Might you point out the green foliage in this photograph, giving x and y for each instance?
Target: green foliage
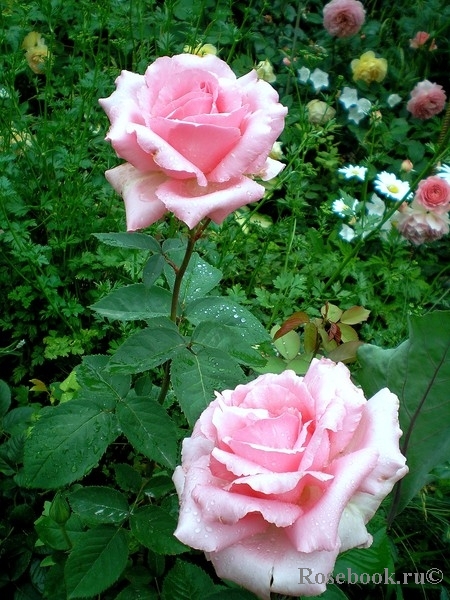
(418, 371)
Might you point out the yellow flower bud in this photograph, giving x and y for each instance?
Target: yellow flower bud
(265, 71)
(201, 49)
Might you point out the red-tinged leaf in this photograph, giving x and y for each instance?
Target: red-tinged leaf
(310, 341)
(292, 322)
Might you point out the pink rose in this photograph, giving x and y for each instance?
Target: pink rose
(193, 136)
(420, 39)
(284, 472)
(343, 18)
(420, 226)
(427, 99)
(433, 193)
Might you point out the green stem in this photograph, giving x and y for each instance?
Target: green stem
(195, 234)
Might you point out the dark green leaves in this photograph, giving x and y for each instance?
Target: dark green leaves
(149, 429)
(97, 560)
(418, 371)
(66, 443)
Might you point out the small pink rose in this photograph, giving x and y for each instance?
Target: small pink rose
(420, 39)
(285, 472)
(421, 226)
(433, 193)
(427, 99)
(343, 18)
(193, 136)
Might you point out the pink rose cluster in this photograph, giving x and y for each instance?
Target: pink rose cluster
(426, 219)
(284, 472)
(343, 18)
(193, 137)
(420, 39)
(427, 100)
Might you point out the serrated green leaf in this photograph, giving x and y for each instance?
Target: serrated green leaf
(227, 338)
(186, 581)
(148, 348)
(96, 504)
(149, 429)
(153, 269)
(51, 534)
(153, 527)
(97, 560)
(5, 398)
(127, 478)
(98, 385)
(67, 442)
(137, 592)
(135, 302)
(226, 312)
(418, 371)
(199, 279)
(138, 241)
(195, 378)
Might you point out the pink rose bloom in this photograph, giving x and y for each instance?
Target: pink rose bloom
(427, 99)
(420, 39)
(420, 226)
(343, 18)
(433, 193)
(193, 136)
(285, 472)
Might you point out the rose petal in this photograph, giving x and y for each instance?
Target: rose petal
(191, 202)
(138, 191)
(205, 144)
(208, 534)
(381, 413)
(268, 563)
(229, 508)
(317, 528)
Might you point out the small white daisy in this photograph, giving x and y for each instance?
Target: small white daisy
(388, 185)
(353, 171)
(347, 233)
(393, 100)
(319, 79)
(303, 74)
(444, 172)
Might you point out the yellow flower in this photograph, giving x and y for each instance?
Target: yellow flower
(369, 68)
(265, 71)
(37, 53)
(201, 49)
(36, 57)
(319, 112)
(32, 39)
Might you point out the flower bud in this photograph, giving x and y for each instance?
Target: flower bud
(265, 71)
(319, 112)
(59, 510)
(407, 166)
